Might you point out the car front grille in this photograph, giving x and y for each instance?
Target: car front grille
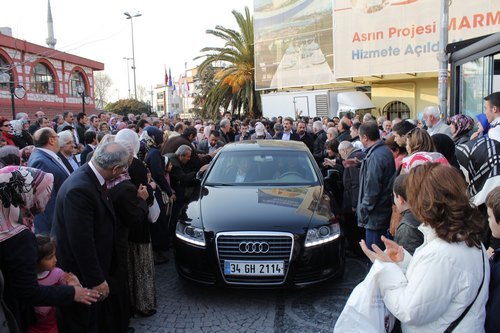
(280, 249)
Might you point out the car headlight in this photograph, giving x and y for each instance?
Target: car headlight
(321, 235)
(190, 234)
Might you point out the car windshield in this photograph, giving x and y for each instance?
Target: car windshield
(258, 167)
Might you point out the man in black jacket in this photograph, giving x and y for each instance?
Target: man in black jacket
(319, 142)
(211, 144)
(84, 228)
(183, 180)
(376, 178)
(304, 136)
(81, 122)
(196, 161)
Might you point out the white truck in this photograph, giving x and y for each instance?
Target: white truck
(314, 103)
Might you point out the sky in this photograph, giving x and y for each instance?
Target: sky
(169, 33)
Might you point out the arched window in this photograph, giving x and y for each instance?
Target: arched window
(5, 74)
(42, 80)
(396, 109)
(75, 81)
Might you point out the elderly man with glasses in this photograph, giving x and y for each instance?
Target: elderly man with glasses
(84, 226)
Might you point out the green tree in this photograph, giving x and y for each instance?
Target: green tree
(234, 82)
(126, 106)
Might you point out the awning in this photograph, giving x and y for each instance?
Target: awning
(354, 100)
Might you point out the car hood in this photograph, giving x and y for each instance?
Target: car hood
(232, 208)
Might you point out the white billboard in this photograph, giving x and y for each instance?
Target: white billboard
(293, 43)
(375, 37)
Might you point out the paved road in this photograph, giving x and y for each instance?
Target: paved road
(187, 307)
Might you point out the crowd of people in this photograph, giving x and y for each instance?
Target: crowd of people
(90, 205)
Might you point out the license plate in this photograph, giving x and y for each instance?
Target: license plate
(254, 268)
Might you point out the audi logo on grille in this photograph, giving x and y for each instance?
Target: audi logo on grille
(254, 247)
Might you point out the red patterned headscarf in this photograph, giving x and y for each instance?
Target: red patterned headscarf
(462, 123)
(24, 192)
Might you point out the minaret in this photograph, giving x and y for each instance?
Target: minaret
(51, 41)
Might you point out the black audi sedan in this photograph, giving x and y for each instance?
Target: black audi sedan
(262, 218)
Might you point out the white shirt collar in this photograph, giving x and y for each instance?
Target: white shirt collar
(55, 157)
(495, 121)
(100, 178)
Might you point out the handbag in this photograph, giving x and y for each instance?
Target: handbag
(165, 198)
(154, 211)
(364, 311)
(457, 321)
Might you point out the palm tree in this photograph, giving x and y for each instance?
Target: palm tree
(235, 80)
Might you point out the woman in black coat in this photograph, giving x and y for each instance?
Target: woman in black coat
(140, 252)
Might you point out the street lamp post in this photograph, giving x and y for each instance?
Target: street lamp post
(81, 91)
(19, 92)
(131, 18)
(128, 75)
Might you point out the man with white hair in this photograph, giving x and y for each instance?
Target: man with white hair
(386, 129)
(352, 158)
(225, 126)
(435, 125)
(67, 145)
(368, 117)
(319, 141)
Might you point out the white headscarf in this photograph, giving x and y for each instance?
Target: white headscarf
(130, 137)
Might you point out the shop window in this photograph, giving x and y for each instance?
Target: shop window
(76, 80)
(42, 80)
(396, 109)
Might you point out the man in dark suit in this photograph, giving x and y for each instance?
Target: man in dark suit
(67, 146)
(189, 135)
(319, 142)
(225, 127)
(90, 145)
(80, 127)
(244, 133)
(304, 136)
(287, 133)
(84, 229)
(210, 145)
(45, 158)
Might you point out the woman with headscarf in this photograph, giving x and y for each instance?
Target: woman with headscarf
(156, 164)
(445, 145)
(112, 124)
(421, 150)
(24, 192)
(460, 126)
(483, 126)
(20, 137)
(140, 251)
(9, 155)
(131, 210)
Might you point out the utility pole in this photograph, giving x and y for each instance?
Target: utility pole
(443, 60)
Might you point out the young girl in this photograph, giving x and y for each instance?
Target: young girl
(49, 275)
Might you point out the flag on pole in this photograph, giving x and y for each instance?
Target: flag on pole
(186, 87)
(169, 78)
(166, 75)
